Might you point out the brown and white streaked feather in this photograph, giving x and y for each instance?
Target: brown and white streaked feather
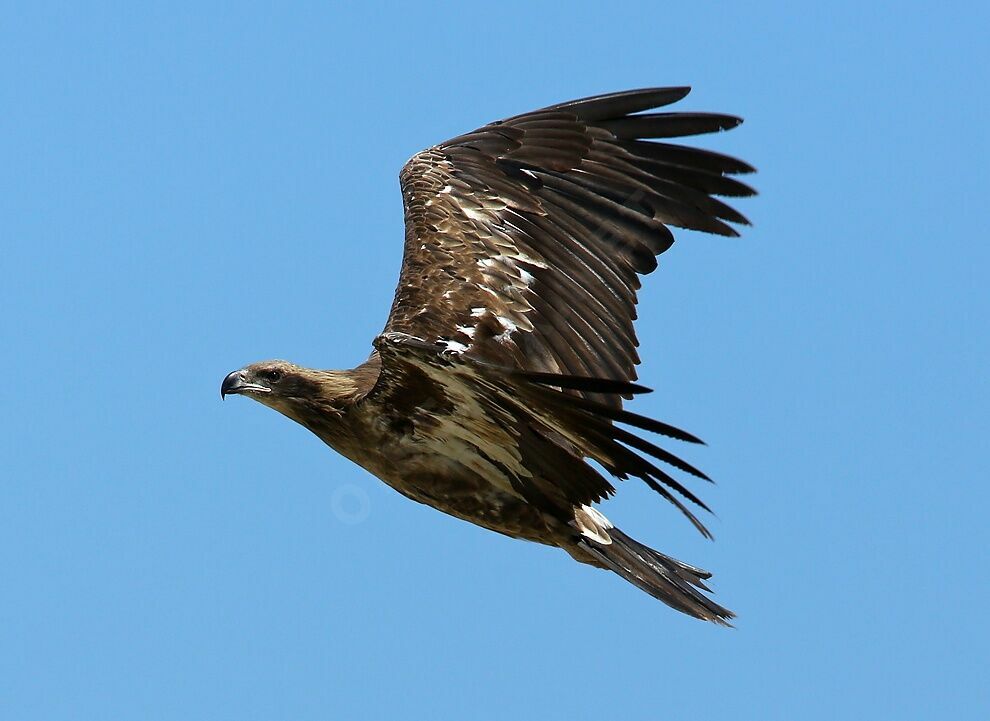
(526, 237)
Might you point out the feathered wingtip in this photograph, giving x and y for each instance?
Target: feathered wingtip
(614, 447)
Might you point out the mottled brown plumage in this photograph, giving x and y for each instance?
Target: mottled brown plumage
(510, 345)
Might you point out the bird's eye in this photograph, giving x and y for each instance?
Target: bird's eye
(273, 375)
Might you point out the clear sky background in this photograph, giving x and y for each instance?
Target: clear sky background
(186, 190)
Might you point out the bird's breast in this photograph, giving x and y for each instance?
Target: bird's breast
(449, 468)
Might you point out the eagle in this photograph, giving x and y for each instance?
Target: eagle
(509, 349)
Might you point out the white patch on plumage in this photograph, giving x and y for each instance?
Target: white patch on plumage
(510, 265)
(597, 516)
(509, 329)
(507, 324)
(452, 346)
(495, 270)
(592, 524)
(469, 330)
(476, 435)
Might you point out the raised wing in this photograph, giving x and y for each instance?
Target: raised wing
(525, 238)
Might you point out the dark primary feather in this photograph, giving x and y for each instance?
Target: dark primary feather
(613, 105)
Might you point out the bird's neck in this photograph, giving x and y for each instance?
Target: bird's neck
(325, 407)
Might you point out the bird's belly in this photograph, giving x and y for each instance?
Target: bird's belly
(481, 494)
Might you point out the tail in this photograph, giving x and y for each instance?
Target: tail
(677, 584)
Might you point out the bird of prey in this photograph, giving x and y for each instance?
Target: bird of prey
(509, 349)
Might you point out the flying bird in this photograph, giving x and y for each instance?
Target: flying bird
(509, 349)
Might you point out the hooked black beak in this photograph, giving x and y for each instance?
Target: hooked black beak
(237, 382)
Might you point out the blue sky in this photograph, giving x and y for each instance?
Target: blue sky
(184, 190)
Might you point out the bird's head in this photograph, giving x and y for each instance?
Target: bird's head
(303, 394)
(278, 384)
(265, 381)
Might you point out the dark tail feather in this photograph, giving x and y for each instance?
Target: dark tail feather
(677, 584)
